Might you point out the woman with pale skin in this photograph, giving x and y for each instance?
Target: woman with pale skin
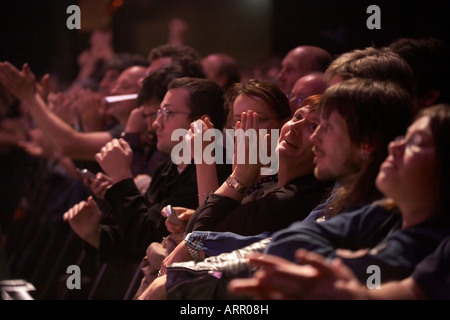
(415, 178)
(263, 103)
(295, 162)
(258, 97)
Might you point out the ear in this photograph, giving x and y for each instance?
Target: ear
(430, 97)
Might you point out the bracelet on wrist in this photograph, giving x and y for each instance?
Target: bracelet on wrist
(236, 185)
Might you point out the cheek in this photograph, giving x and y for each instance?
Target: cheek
(419, 168)
(283, 132)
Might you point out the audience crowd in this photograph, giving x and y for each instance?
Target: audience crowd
(323, 165)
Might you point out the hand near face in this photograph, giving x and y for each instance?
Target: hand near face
(136, 121)
(196, 134)
(115, 159)
(246, 156)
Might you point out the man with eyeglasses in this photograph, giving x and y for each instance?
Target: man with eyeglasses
(139, 219)
(306, 86)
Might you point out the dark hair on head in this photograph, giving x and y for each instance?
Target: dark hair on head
(429, 59)
(154, 86)
(373, 63)
(269, 92)
(376, 112)
(185, 56)
(439, 116)
(205, 98)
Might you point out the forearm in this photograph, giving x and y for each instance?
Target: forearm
(93, 239)
(207, 181)
(74, 144)
(406, 289)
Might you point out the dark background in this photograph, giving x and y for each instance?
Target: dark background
(250, 30)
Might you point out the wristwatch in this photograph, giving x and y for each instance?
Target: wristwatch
(236, 185)
(194, 253)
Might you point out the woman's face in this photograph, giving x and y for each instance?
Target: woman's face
(408, 173)
(294, 146)
(267, 117)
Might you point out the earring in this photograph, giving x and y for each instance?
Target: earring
(365, 154)
(366, 151)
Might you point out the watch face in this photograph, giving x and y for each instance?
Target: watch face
(233, 183)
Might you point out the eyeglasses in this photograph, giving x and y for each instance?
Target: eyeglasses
(295, 101)
(166, 113)
(414, 142)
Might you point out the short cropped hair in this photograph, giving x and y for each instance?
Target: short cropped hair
(205, 98)
(373, 63)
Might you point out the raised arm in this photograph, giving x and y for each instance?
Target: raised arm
(74, 144)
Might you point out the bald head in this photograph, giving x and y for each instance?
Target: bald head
(221, 69)
(311, 84)
(299, 62)
(127, 83)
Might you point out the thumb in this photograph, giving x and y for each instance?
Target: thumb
(91, 202)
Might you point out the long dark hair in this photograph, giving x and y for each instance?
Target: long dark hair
(439, 116)
(375, 113)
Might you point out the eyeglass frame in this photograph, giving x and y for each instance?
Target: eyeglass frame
(297, 100)
(165, 113)
(411, 143)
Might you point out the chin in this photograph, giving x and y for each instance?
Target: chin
(382, 182)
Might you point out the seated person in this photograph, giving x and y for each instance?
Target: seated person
(353, 118)
(137, 217)
(422, 225)
(272, 206)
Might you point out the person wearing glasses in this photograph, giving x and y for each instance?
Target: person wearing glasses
(138, 219)
(412, 258)
(311, 84)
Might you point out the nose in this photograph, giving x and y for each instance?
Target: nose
(396, 148)
(158, 121)
(280, 75)
(150, 121)
(314, 138)
(296, 127)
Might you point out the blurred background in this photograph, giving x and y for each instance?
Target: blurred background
(252, 31)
